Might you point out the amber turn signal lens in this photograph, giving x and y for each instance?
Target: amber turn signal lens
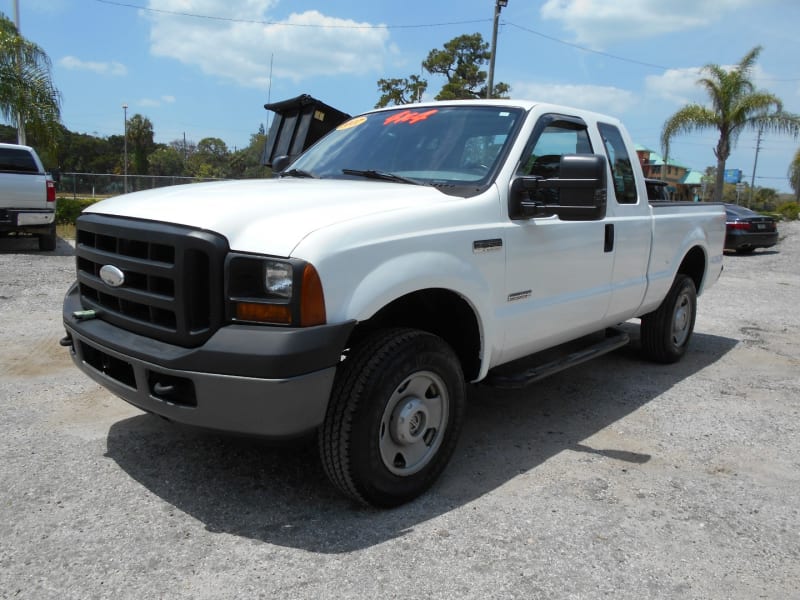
(312, 300)
(264, 313)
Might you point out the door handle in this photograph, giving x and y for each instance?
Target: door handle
(608, 246)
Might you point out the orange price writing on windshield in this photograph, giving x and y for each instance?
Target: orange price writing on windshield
(408, 116)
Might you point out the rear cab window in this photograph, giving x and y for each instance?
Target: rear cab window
(621, 168)
(17, 160)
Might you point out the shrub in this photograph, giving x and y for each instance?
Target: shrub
(68, 209)
(789, 210)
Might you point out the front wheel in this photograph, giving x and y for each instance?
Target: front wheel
(394, 417)
(667, 330)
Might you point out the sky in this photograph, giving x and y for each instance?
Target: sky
(205, 68)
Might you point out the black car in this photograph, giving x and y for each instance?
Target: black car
(746, 230)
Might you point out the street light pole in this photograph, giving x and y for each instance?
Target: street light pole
(125, 144)
(499, 4)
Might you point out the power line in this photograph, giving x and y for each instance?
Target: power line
(383, 26)
(283, 23)
(585, 49)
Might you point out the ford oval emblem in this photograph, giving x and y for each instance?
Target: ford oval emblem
(112, 276)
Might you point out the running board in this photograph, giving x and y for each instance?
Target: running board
(502, 378)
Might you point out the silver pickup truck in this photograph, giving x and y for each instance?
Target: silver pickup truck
(27, 195)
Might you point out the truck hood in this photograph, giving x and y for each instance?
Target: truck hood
(269, 216)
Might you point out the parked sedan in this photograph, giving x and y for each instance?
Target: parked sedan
(746, 230)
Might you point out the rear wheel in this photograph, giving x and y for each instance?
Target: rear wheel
(47, 241)
(394, 417)
(667, 330)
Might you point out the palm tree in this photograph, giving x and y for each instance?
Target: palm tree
(794, 175)
(736, 106)
(26, 87)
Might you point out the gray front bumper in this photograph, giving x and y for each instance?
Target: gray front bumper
(264, 381)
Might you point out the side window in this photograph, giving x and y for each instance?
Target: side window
(557, 138)
(620, 163)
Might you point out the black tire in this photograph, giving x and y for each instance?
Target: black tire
(667, 330)
(47, 241)
(394, 417)
(745, 250)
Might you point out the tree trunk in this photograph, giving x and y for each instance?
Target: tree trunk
(719, 182)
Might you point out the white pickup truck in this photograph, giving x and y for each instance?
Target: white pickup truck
(27, 195)
(408, 252)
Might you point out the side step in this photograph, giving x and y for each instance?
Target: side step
(571, 354)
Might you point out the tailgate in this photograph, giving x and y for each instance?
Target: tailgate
(23, 190)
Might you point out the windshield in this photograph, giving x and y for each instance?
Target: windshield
(441, 146)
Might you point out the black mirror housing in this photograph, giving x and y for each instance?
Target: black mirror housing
(577, 194)
(280, 163)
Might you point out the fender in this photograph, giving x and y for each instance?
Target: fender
(669, 252)
(402, 275)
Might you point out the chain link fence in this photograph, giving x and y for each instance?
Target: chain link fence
(102, 185)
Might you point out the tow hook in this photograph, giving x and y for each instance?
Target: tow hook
(66, 341)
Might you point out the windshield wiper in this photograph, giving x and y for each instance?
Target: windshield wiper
(297, 173)
(382, 175)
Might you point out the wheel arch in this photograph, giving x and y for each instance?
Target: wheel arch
(439, 311)
(694, 265)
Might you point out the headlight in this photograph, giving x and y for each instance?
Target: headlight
(278, 292)
(278, 279)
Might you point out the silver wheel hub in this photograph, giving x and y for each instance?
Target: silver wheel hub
(413, 423)
(681, 319)
(409, 421)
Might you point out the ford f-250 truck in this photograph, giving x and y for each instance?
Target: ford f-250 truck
(408, 252)
(27, 195)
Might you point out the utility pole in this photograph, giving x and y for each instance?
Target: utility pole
(755, 164)
(499, 4)
(125, 145)
(21, 137)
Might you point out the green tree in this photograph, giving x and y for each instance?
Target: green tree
(166, 161)
(401, 91)
(766, 198)
(794, 175)
(26, 86)
(246, 163)
(140, 139)
(460, 62)
(736, 106)
(211, 159)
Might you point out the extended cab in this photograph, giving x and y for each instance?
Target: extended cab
(410, 251)
(27, 195)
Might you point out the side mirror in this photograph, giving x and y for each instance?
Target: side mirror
(280, 163)
(577, 194)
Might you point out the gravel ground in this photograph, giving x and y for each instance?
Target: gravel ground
(616, 479)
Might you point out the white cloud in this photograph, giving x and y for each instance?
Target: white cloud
(598, 22)
(155, 102)
(680, 86)
(101, 68)
(605, 99)
(304, 45)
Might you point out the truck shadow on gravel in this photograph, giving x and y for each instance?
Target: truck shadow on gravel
(29, 245)
(280, 495)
